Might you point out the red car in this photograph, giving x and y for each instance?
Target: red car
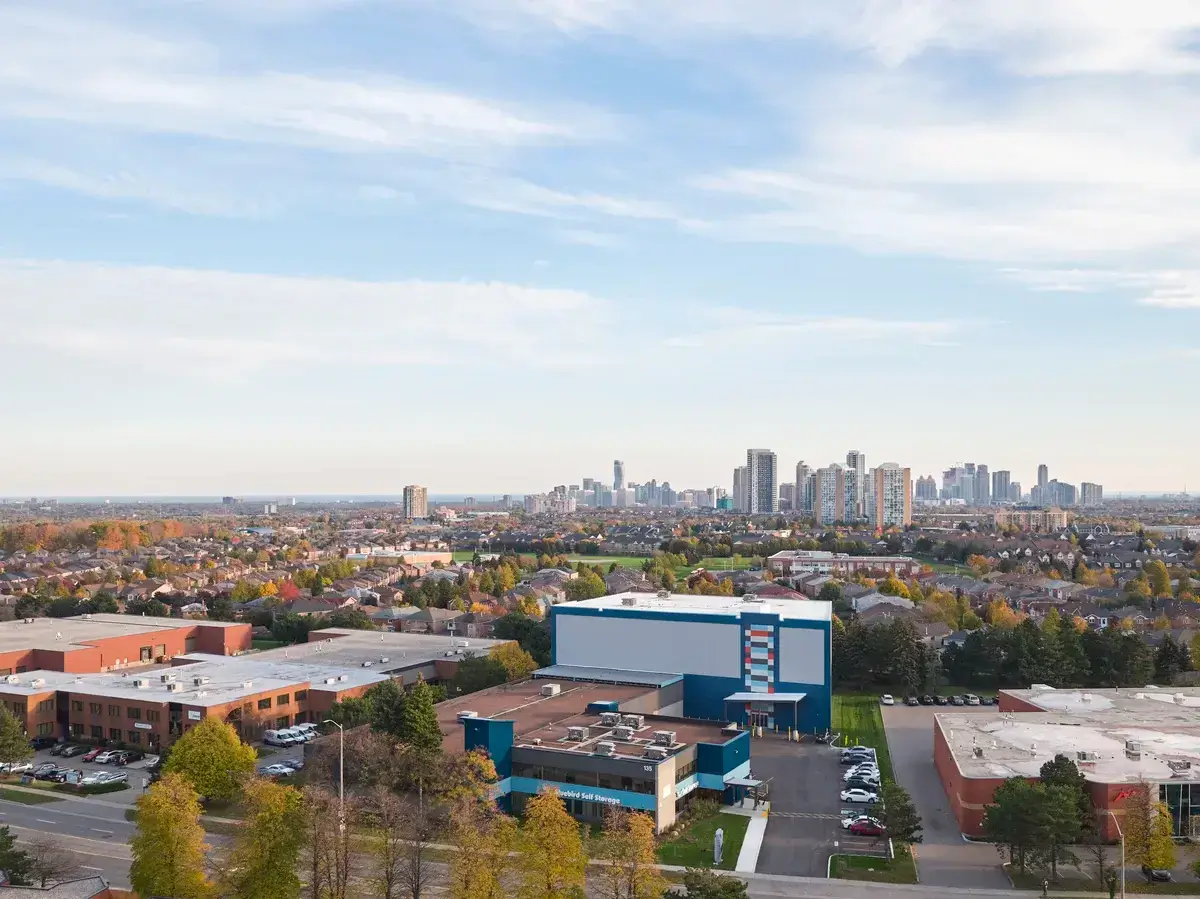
(866, 829)
(91, 755)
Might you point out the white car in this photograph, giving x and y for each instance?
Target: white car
(276, 771)
(857, 819)
(857, 795)
(16, 768)
(887, 699)
(867, 773)
(105, 757)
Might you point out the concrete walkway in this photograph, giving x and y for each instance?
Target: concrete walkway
(747, 859)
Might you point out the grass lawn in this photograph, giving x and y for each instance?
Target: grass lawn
(857, 717)
(693, 847)
(265, 644)
(27, 798)
(959, 568)
(635, 562)
(264, 751)
(464, 555)
(901, 869)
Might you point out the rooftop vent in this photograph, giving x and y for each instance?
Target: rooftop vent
(978, 751)
(605, 747)
(664, 737)
(1179, 768)
(1180, 699)
(637, 722)
(609, 719)
(38, 682)
(656, 752)
(383, 660)
(537, 741)
(12, 679)
(631, 600)
(331, 680)
(1086, 755)
(663, 594)
(199, 681)
(466, 713)
(577, 734)
(551, 689)
(368, 663)
(167, 678)
(141, 682)
(343, 677)
(750, 597)
(623, 733)
(174, 687)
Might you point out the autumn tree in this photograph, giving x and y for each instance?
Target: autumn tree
(263, 861)
(14, 742)
(628, 847)
(1158, 576)
(554, 862)
(485, 840)
(213, 758)
(516, 662)
(1147, 827)
(327, 857)
(168, 846)
(403, 861)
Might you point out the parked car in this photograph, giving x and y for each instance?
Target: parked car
(278, 738)
(871, 786)
(91, 754)
(864, 770)
(52, 773)
(939, 699)
(16, 767)
(866, 828)
(957, 700)
(912, 700)
(60, 776)
(970, 699)
(311, 729)
(887, 699)
(40, 743)
(59, 748)
(276, 770)
(92, 778)
(989, 700)
(850, 820)
(859, 795)
(926, 699)
(72, 751)
(294, 764)
(125, 756)
(104, 757)
(300, 736)
(1156, 875)
(44, 767)
(112, 777)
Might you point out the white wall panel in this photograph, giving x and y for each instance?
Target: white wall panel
(802, 655)
(649, 644)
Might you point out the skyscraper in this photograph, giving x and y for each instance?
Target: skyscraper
(856, 484)
(927, 488)
(618, 474)
(1091, 494)
(741, 478)
(1001, 482)
(803, 488)
(416, 502)
(891, 496)
(1043, 475)
(983, 486)
(829, 494)
(763, 483)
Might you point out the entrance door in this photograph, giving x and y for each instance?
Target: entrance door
(758, 718)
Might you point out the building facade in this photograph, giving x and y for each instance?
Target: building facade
(791, 562)
(891, 496)
(763, 482)
(416, 502)
(856, 484)
(829, 494)
(1091, 494)
(1001, 484)
(1032, 519)
(618, 475)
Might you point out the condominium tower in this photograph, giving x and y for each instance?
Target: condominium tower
(416, 502)
(829, 494)
(763, 482)
(891, 496)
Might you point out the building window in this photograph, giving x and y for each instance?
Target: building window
(114, 711)
(264, 703)
(283, 699)
(153, 715)
(45, 729)
(135, 737)
(160, 650)
(144, 654)
(95, 708)
(97, 732)
(19, 708)
(114, 733)
(46, 705)
(134, 712)
(76, 705)
(76, 730)
(686, 771)
(5, 672)
(282, 721)
(301, 695)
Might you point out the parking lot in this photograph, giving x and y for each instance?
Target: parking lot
(944, 858)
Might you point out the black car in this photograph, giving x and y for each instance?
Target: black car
(72, 751)
(988, 700)
(939, 699)
(59, 776)
(59, 748)
(51, 774)
(858, 783)
(129, 755)
(1156, 875)
(39, 743)
(912, 700)
(926, 699)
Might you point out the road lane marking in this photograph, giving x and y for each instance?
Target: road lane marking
(44, 821)
(98, 830)
(91, 868)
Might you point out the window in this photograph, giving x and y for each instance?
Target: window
(153, 715)
(134, 712)
(135, 737)
(97, 732)
(21, 669)
(76, 730)
(283, 699)
(282, 722)
(114, 711)
(19, 708)
(76, 705)
(45, 729)
(5, 672)
(686, 771)
(46, 705)
(264, 703)
(160, 650)
(95, 708)
(114, 733)
(144, 654)
(301, 695)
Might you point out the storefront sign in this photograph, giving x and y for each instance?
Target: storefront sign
(142, 725)
(193, 716)
(588, 796)
(682, 789)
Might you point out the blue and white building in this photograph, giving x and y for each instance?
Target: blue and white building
(742, 660)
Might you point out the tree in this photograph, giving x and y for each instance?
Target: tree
(168, 847)
(1010, 821)
(13, 861)
(554, 862)
(49, 861)
(484, 839)
(703, 883)
(404, 865)
(328, 857)
(900, 817)
(266, 851)
(213, 759)
(517, 663)
(1158, 576)
(1061, 771)
(354, 619)
(1147, 827)
(14, 742)
(418, 721)
(532, 634)
(628, 846)
(476, 673)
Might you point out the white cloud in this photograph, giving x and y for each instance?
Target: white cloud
(733, 327)
(586, 238)
(1166, 289)
(219, 324)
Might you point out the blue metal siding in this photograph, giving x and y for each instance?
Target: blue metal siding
(721, 758)
(493, 736)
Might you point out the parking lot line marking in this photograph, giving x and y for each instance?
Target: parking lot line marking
(91, 868)
(44, 821)
(98, 830)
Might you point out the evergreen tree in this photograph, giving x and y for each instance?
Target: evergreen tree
(1061, 771)
(14, 862)
(418, 720)
(900, 817)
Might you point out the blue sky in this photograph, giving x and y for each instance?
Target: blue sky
(489, 245)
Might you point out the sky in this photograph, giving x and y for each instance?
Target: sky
(339, 246)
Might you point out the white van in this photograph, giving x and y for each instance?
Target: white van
(309, 731)
(279, 738)
(297, 734)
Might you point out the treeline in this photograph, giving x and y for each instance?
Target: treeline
(112, 535)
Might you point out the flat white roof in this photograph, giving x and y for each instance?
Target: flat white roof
(687, 604)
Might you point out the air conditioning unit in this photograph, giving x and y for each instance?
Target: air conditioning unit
(608, 719)
(1086, 755)
(383, 660)
(1133, 746)
(658, 753)
(622, 733)
(978, 751)
(637, 722)
(551, 689)
(38, 682)
(1179, 768)
(167, 678)
(663, 594)
(12, 679)
(330, 680)
(367, 664)
(750, 597)
(664, 737)
(629, 600)
(247, 685)
(577, 734)
(141, 682)
(606, 747)
(467, 714)
(174, 687)
(199, 681)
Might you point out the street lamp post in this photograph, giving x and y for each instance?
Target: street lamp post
(341, 777)
(1121, 833)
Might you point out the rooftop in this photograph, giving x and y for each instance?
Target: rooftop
(560, 735)
(607, 675)
(31, 683)
(74, 633)
(1141, 703)
(356, 649)
(685, 604)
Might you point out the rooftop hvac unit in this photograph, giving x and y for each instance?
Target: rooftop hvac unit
(1179, 767)
(167, 678)
(637, 722)
(1086, 755)
(467, 714)
(606, 747)
(1133, 746)
(383, 660)
(664, 737)
(247, 685)
(367, 663)
(38, 682)
(331, 680)
(978, 750)
(140, 682)
(551, 689)
(663, 594)
(608, 719)
(1180, 699)
(629, 600)
(174, 687)
(750, 597)
(577, 734)
(199, 681)
(623, 733)
(12, 679)
(656, 752)
(537, 741)
(343, 677)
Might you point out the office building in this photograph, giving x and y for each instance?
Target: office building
(618, 475)
(416, 502)
(1034, 519)
(1091, 494)
(803, 488)
(787, 497)
(765, 663)
(1043, 475)
(1014, 492)
(1001, 482)
(926, 490)
(763, 482)
(829, 494)
(741, 488)
(791, 562)
(891, 496)
(983, 486)
(856, 484)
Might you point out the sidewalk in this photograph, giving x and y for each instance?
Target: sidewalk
(747, 859)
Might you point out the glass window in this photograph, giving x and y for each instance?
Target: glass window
(153, 715)
(283, 699)
(301, 695)
(114, 711)
(264, 703)
(134, 712)
(135, 736)
(76, 730)
(76, 705)
(160, 650)
(95, 708)
(145, 654)
(97, 732)
(45, 728)
(19, 708)
(114, 733)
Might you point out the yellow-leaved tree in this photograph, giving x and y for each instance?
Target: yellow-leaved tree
(213, 758)
(1147, 827)
(554, 860)
(516, 662)
(168, 847)
(629, 848)
(266, 851)
(484, 839)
